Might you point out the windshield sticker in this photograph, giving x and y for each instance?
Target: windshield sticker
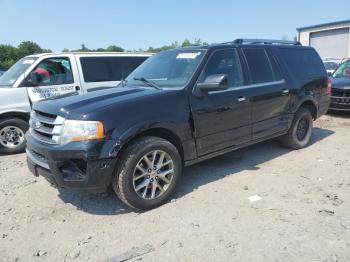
(28, 62)
(188, 55)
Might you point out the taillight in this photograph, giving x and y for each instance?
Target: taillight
(328, 87)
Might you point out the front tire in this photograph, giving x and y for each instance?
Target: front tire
(148, 172)
(12, 131)
(300, 131)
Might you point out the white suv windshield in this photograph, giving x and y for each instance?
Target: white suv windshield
(11, 75)
(167, 69)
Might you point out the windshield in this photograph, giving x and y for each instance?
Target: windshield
(343, 70)
(11, 75)
(167, 69)
(330, 65)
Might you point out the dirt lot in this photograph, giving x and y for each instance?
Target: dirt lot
(304, 213)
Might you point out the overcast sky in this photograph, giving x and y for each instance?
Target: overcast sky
(136, 24)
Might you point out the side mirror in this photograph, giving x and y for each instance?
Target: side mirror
(214, 83)
(34, 78)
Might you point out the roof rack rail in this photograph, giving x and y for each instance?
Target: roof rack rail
(263, 41)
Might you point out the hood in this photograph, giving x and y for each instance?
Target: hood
(341, 83)
(79, 106)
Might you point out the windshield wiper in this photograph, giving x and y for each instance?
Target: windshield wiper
(148, 82)
(122, 83)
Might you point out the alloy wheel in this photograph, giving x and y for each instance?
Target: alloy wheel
(153, 174)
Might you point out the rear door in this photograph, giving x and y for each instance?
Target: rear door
(56, 76)
(222, 118)
(270, 94)
(103, 71)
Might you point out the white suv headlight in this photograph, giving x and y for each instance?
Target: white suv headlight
(75, 131)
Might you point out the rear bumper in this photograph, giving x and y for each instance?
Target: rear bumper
(79, 166)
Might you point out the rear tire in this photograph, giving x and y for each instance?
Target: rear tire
(300, 132)
(147, 173)
(12, 131)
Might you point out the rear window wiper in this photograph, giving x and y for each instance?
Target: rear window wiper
(148, 82)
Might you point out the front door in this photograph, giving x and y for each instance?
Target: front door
(53, 77)
(222, 118)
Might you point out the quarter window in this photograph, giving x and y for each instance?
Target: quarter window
(302, 63)
(225, 62)
(259, 65)
(54, 71)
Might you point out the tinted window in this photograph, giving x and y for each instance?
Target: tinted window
(225, 62)
(101, 69)
(259, 65)
(302, 63)
(54, 71)
(275, 69)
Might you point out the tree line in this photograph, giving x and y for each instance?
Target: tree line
(10, 54)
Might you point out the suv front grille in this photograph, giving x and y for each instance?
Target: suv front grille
(45, 127)
(340, 92)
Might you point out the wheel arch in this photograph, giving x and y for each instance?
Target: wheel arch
(310, 104)
(15, 114)
(160, 132)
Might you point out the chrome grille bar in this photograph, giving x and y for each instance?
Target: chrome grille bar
(46, 127)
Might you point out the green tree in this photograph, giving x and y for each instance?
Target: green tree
(186, 43)
(28, 48)
(114, 48)
(10, 54)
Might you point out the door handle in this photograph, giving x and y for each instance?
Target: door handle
(241, 99)
(285, 91)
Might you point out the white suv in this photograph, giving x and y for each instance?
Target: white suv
(37, 77)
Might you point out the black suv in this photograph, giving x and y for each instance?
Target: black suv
(178, 108)
(340, 97)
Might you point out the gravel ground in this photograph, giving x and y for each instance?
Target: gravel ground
(303, 213)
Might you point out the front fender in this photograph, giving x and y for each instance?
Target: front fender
(14, 100)
(171, 131)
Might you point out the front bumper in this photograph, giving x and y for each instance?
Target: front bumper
(340, 103)
(86, 166)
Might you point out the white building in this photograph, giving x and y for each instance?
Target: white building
(331, 40)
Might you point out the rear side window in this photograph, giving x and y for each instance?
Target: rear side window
(103, 69)
(259, 65)
(302, 63)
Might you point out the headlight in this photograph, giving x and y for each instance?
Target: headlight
(75, 131)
